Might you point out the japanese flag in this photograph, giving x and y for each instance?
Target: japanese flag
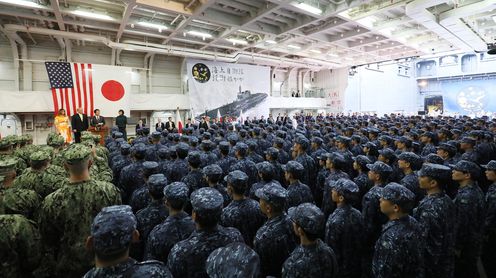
(112, 89)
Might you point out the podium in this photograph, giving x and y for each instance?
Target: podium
(102, 131)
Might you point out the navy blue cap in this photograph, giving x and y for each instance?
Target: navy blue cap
(240, 146)
(388, 153)
(177, 191)
(273, 193)
(490, 166)
(412, 158)
(156, 184)
(293, 167)
(182, 147)
(139, 149)
(265, 167)
(232, 138)
(233, 260)
(112, 229)
(435, 171)
(163, 152)
(279, 142)
(467, 140)
(467, 167)
(343, 139)
(224, 146)
(303, 141)
(272, 152)
(448, 148)
(150, 168)
(309, 217)
(118, 135)
(397, 194)
(433, 158)
(237, 179)
(362, 160)
(345, 186)
(156, 135)
(337, 159)
(317, 140)
(207, 200)
(380, 167)
(212, 170)
(194, 157)
(125, 146)
(120, 140)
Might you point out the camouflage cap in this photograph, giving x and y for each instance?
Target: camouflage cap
(434, 158)
(194, 157)
(240, 146)
(150, 168)
(233, 260)
(468, 140)
(412, 158)
(156, 184)
(21, 201)
(156, 135)
(7, 165)
(343, 139)
(207, 200)
(450, 149)
(212, 170)
(272, 152)
(5, 142)
(112, 229)
(362, 160)
(380, 167)
(176, 191)
(265, 168)
(388, 154)
(237, 179)
(118, 135)
(309, 217)
(398, 194)
(273, 193)
(77, 153)
(317, 140)
(435, 171)
(491, 166)
(303, 141)
(224, 146)
(467, 167)
(39, 156)
(345, 186)
(86, 136)
(139, 149)
(293, 167)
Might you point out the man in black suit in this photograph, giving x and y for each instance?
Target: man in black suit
(170, 125)
(97, 121)
(79, 123)
(159, 125)
(188, 123)
(204, 123)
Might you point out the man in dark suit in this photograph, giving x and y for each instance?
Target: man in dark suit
(97, 121)
(79, 123)
(204, 123)
(188, 123)
(159, 125)
(170, 125)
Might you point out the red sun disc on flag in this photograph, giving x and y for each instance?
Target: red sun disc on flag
(112, 90)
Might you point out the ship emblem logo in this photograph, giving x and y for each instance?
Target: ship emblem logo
(201, 73)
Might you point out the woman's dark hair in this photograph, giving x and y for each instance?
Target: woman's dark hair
(121, 111)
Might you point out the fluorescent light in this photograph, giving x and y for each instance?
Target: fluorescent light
(348, 58)
(200, 34)
(332, 55)
(22, 3)
(238, 41)
(271, 42)
(494, 18)
(306, 7)
(315, 51)
(92, 15)
(293, 46)
(157, 26)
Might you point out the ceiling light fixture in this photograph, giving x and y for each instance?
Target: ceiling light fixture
(271, 42)
(237, 41)
(157, 26)
(494, 18)
(94, 15)
(293, 46)
(200, 34)
(306, 7)
(332, 55)
(315, 51)
(21, 3)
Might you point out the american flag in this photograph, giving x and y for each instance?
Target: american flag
(72, 86)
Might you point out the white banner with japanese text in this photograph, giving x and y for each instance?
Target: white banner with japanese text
(227, 88)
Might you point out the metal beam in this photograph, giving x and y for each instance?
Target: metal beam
(204, 5)
(383, 24)
(58, 15)
(366, 41)
(165, 6)
(128, 10)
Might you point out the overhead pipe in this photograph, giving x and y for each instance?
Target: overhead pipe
(237, 56)
(68, 50)
(118, 57)
(150, 67)
(451, 20)
(144, 73)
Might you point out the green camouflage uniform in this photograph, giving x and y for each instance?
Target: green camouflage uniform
(66, 216)
(20, 248)
(7, 153)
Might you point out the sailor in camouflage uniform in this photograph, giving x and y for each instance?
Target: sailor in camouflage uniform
(489, 245)
(242, 213)
(399, 251)
(188, 257)
(335, 163)
(244, 164)
(179, 167)
(344, 229)
(409, 162)
(234, 260)
(310, 174)
(8, 172)
(153, 214)
(194, 179)
(469, 214)
(140, 198)
(275, 240)
(213, 176)
(152, 149)
(362, 179)
(120, 161)
(37, 178)
(112, 231)
(271, 156)
(298, 192)
(176, 227)
(6, 152)
(132, 175)
(20, 240)
(66, 214)
(312, 258)
(373, 219)
(436, 216)
(225, 160)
